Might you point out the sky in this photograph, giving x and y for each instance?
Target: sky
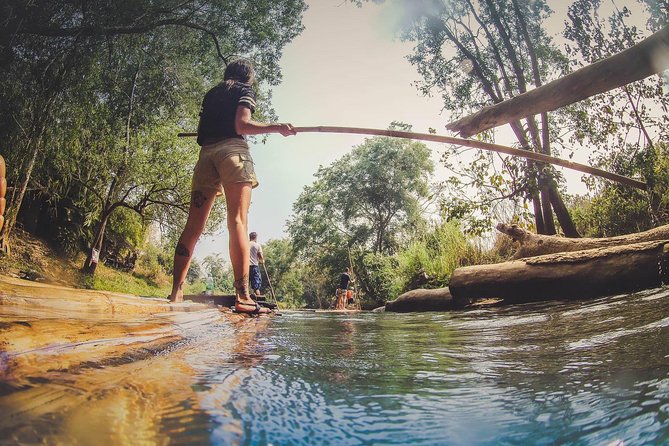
(345, 69)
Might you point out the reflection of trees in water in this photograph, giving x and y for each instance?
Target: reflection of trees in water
(347, 348)
(382, 352)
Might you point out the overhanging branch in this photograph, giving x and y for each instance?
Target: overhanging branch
(648, 57)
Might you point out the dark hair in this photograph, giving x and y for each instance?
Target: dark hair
(253, 235)
(239, 70)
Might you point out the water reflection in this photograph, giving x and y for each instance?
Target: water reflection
(594, 372)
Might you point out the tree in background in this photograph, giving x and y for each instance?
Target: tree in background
(285, 273)
(54, 56)
(194, 271)
(481, 52)
(626, 125)
(615, 209)
(219, 272)
(370, 201)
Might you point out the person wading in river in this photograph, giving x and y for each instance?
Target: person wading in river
(225, 167)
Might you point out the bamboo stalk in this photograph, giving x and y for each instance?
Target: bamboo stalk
(476, 145)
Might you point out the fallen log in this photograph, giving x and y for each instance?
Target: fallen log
(536, 244)
(569, 275)
(644, 59)
(439, 299)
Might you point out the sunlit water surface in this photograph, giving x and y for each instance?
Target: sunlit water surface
(578, 373)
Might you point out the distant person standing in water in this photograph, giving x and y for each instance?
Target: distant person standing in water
(344, 280)
(255, 258)
(225, 167)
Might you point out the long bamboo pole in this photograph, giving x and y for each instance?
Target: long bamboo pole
(476, 145)
(269, 282)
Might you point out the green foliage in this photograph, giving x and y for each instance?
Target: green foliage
(194, 272)
(285, 273)
(219, 272)
(370, 197)
(150, 268)
(290, 288)
(94, 93)
(376, 273)
(435, 255)
(109, 279)
(318, 285)
(370, 201)
(614, 209)
(618, 124)
(478, 53)
(127, 231)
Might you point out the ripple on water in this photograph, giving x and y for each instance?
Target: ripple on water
(592, 372)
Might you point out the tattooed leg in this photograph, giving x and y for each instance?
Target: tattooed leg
(181, 250)
(198, 198)
(198, 213)
(242, 288)
(244, 303)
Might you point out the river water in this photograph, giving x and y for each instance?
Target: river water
(579, 373)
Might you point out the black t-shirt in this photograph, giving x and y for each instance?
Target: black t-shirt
(343, 280)
(219, 107)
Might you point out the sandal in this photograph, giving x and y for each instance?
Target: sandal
(256, 310)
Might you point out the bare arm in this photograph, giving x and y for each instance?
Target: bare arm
(245, 125)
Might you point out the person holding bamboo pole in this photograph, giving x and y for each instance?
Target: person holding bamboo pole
(225, 167)
(255, 258)
(342, 291)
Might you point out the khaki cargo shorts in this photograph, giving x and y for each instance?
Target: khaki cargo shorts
(224, 162)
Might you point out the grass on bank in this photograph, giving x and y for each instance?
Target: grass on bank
(139, 283)
(34, 259)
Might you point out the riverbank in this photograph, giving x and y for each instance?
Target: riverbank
(33, 259)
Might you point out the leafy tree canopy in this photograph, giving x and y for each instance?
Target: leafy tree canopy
(94, 93)
(370, 198)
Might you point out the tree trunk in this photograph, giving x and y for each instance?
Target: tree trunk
(574, 275)
(93, 257)
(562, 214)
(538, 215)
(536, 244)
(17, 199)
(547, 210)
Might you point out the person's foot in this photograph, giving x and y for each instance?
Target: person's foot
(243, 301)
(176, 296)
(250, 307)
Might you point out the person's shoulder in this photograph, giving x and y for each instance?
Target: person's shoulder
(217, 89)
(215, 93)
(245, 95)
(242, 88)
